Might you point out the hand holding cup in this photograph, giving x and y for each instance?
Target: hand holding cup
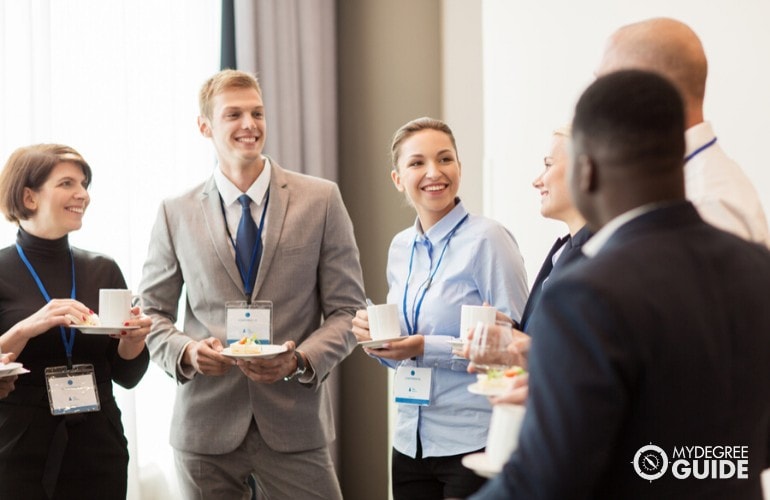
(489, 348)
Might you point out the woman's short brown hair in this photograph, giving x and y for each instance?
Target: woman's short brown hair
(29, 167)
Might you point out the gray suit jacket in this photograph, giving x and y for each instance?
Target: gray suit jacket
(309, 270)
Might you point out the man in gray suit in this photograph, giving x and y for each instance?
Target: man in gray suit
(267, 417)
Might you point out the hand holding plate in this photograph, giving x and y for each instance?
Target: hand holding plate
(272, 369)
(205, 356)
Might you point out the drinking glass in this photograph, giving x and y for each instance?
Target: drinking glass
(489, 348)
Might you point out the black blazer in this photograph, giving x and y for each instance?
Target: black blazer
(662, 338)
(571, 253)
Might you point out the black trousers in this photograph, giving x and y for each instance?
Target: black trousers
(432, 478)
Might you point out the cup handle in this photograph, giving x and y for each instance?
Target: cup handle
(137, 300)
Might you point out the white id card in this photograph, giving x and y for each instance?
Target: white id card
(412, 385)
(72, 391)
(250, 320)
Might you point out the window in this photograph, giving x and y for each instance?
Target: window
(118, 81)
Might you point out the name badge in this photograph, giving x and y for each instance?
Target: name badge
(412, 386)
(72, 391)
(253, 320)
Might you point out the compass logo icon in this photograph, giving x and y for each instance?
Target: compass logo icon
(650, 462)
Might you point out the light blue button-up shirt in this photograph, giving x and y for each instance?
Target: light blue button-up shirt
(482, 263)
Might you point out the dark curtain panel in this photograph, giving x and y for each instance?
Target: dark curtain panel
(227, 57)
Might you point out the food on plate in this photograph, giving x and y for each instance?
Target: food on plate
(88, 320)
(247, 345)
(499, 379)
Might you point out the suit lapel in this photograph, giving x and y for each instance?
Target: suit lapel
(215, 224)
(537, 286)
(276, 214)
(572, 249)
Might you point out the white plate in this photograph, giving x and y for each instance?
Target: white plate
(9, 366)
(105, 330)
(16, 371)
(477, 388)
(478, 463)
(268, 351)
(377, 344)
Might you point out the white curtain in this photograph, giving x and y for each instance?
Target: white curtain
(290, 45)
(118, 81)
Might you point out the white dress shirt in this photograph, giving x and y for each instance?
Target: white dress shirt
(230, 193)
(720, 190)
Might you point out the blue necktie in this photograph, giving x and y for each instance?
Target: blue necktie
(246, 243)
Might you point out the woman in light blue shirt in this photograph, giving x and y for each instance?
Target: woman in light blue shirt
(446, 259)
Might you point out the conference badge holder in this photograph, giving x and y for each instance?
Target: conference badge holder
(254, 320)
(412, 385)
(72, 391)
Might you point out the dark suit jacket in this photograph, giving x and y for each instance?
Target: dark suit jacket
(663, 337)
(572, 252)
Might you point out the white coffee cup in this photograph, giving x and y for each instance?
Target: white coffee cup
(471, 315)
(503, 437)
(383, 321)
(115, 306)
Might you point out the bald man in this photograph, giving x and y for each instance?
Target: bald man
(715, 184)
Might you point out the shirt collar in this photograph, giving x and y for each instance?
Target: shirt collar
(602, 236)
(696, 136)
(442, 228)
(256, 191)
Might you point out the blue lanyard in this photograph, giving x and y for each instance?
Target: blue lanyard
(411, 328)
(248, 286)
(700, 150)
(68, 341)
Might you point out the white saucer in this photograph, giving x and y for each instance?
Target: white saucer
(11, 373)
(477, 388)
(105, 330)
(377, 344)
(479, 463)
(268, 351)
(9, 366)
(11, 369)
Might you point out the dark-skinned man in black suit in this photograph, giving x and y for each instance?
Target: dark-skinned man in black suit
(652, 362)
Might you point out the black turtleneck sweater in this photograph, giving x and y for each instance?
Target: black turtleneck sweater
(20, 297)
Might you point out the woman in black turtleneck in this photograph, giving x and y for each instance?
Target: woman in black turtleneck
(43, 189)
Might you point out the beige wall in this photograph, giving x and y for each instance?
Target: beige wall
(389, 56)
